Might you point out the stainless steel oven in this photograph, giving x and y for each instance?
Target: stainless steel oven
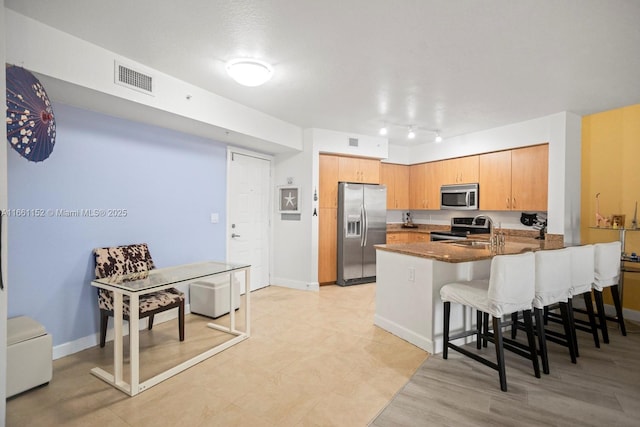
(461, 227)
(460, 196)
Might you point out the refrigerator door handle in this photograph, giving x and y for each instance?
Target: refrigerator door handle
(365, 226)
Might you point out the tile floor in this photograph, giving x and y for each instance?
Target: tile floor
(314, 359)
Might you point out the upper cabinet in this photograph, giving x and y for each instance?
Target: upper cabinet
(461, 170)
(515, 179)
(424, 185)
(355, 169)
(396, 179)
(530, 178)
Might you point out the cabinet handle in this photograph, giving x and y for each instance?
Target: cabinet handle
(506, 202)
(513, 205)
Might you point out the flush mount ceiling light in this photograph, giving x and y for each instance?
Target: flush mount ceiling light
(411, 133)
(249, 72)
(383, 130)
(438, 137)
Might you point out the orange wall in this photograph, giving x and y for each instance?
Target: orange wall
(611, 167)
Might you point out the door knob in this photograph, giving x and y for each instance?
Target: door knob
(235, 235)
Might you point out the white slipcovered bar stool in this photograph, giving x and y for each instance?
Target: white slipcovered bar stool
(509, 289)
(553, 286)
(582, 278)
(607, 275)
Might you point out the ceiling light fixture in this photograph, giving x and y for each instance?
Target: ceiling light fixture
(383, 130)
(438, 137)
(249, 72)
(411, 133)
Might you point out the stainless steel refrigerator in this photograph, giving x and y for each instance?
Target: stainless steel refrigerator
(362, 223)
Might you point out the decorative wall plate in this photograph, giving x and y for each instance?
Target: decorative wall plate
(31, 126)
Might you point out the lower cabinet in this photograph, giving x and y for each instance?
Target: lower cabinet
(407, 237)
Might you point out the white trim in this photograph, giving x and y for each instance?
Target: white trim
(295, 284)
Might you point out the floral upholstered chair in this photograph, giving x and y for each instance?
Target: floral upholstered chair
(130, 259)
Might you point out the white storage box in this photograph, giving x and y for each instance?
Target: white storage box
(29, 355)
(211, 298)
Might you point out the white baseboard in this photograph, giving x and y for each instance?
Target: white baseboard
(295, 284)
(62, 350)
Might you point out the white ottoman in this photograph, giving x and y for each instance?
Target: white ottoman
(211, 298)
(29, 355)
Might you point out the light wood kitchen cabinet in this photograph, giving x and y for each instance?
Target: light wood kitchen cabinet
(495, 181)
(398, 237)
(515, 179)
(327, 245)
(424, 185)
(396, 178)
(419, 237)
(328, 185)
(530, 178)
(461, 170)
(417, 186)
(355, 169)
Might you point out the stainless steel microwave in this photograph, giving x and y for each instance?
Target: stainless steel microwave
(460, 197)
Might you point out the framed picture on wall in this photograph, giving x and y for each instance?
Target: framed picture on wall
(289, 199)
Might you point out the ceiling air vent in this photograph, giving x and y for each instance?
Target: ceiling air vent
(353, 142)
(128, 77)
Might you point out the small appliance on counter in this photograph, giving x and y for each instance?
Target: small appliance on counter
(408, 223)
(461, 227)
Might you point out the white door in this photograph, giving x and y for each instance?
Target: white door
(249, 213)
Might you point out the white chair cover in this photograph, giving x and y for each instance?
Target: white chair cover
(553, 277)
(607, 265)
(582, 268)
(510, 287)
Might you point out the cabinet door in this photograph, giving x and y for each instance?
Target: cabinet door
(529, 178)
(419, 237)
(348, 169)
(328, 191)
(417, 186)
(397, 237)
(401, 190)
(327, 245)
(387, 177)
(461, 170)
(495, 181)
(467, 169)
(434, 172)
(369, 171)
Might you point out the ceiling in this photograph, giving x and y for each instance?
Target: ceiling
(352, 65)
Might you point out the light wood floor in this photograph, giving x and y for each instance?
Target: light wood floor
(602, 389)
(314, 359)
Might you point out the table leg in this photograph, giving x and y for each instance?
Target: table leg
(134, 342)
(118, 350)
(232, 308)
(247, 298)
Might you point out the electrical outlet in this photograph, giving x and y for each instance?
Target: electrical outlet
(412, 274)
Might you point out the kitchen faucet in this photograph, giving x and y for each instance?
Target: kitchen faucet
(486, 218)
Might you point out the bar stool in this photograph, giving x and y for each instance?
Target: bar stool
(582, 278)
(553, 286)
(510, 288)
(607, 275)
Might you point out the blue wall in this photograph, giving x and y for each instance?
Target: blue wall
(168, 182)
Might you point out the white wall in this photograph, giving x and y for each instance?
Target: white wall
(82, 74)
(3, 242)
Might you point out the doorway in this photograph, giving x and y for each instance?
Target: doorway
(249, 180)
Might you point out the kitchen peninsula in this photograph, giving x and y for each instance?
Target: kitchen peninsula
(410, 275)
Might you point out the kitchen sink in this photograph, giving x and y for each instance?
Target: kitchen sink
(476, 244)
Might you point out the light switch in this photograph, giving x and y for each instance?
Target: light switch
(214, 218)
